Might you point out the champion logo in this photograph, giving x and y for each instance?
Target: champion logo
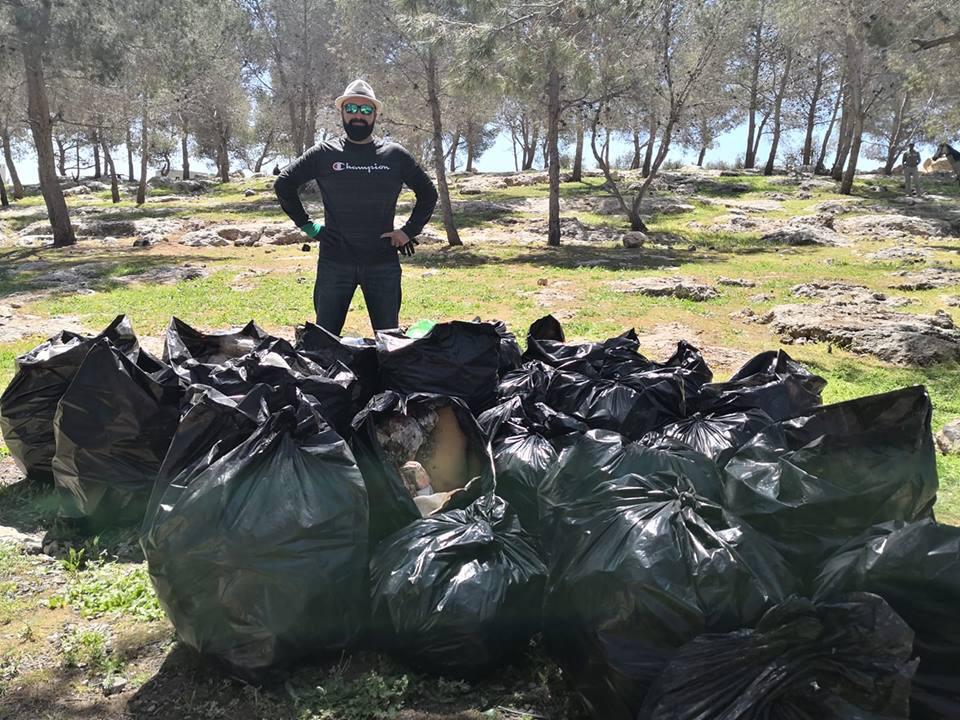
(339, 166)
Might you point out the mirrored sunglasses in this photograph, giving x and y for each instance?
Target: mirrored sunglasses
(353, 109)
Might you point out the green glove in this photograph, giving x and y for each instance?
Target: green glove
(312, 229)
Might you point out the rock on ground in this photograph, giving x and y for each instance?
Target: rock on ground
(203, 238)
(846, 293)
(796, 233)
(16, 325)
(736, 282)
(948, 439)
(900, 253)
(892, 226)
(926, 279)
(678, 287)
(900, 338)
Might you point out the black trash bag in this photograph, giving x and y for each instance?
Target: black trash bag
(392, 506)
(358, 354)
(916, 568)
(530, 382)
(457, 359)
(276, 363)
(842, 660)
(522, 439)
(546, 328)
(458, 593)
(632, 407)
(194, 354)
(509, 355)
(772, 381)
(587, 460)
(617, 358)
(213, 425)
(816, 481)
(716, 436)
(639, 567)
(112, 429)
(28, 404)
(546, 342)
(260, 557)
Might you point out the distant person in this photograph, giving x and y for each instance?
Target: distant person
(276, 169)
(360, 179)
(911, 171)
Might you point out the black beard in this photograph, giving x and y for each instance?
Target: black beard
(359, 131)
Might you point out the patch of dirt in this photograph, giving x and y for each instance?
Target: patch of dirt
(660, 341)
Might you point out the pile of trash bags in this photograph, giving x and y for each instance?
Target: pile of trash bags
(687, 548)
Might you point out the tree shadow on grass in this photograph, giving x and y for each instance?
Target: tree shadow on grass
(54, 272)
(566, 257)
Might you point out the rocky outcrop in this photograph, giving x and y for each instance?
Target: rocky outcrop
(892, 226)
(926, 279)
(869, 328)
(677, 287)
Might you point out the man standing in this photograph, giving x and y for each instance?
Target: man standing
(360, 179)
(911, 172)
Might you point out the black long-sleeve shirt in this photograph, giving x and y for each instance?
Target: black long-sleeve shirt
(359, 184)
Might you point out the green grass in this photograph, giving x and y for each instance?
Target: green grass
(371, 696)
(110, 587)
(88, 649)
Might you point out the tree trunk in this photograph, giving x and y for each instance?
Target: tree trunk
(806, 156)
(223, 161)
(41, 125)
(111, 168)
(258, 166)
(129, 143)
(553, 151)
(96, 157)
(8, 159)
(185, 151)
(577, 174)
(820, 167)
(846, 185)
(61, 158)
(635, 160)
(845, 135)
(4, 202)
(648, 155)
(454, 146)
(843, 147)
(703, 152)
(296, 132)
(777, 106)
(893, 145)
(433, 98)
(854, 59)
(749, 158)
(144, 148)
(310, 135)
(469, 140)
(530, 146)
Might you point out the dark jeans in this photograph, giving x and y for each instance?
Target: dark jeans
(337, 282)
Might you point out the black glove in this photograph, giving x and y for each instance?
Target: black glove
(409, 248)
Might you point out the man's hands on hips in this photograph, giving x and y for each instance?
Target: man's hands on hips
(312, 229)
(399, 239)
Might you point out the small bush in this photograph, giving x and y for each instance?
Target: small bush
(88, 649)
(370, 696)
